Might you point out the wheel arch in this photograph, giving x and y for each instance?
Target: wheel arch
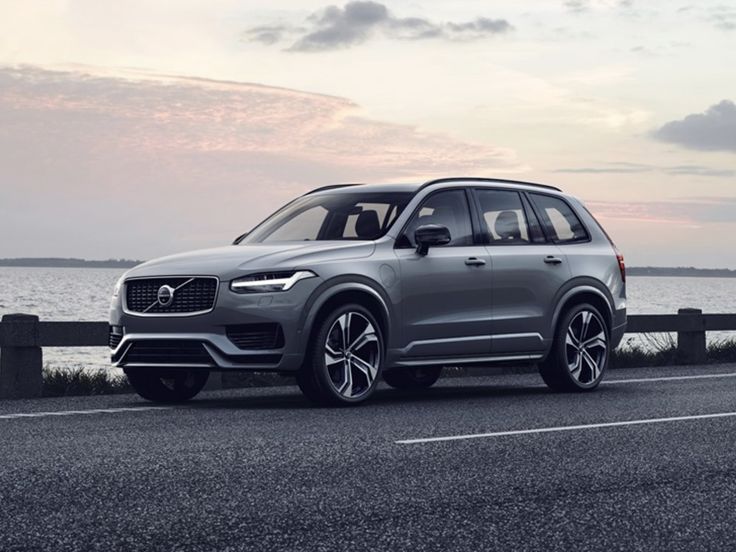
(587, 291)
(342, 290)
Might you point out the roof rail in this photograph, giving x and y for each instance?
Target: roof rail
(481, 179)
(332, 187)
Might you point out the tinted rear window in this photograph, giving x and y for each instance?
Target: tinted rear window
(560, 222)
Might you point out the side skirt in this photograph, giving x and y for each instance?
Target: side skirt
(459, 361)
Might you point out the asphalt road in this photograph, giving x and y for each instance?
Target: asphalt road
(264, 470)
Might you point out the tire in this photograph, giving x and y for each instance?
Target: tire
(342, 368)
(571, 364)
(167, 385)
(413, 378)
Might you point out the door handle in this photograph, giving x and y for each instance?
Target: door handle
(549, 259)
(474, 261)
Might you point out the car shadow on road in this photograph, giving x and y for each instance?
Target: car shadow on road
(289, 397)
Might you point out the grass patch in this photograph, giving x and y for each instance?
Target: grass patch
(661, 350)
(77, 380)
(723, 350)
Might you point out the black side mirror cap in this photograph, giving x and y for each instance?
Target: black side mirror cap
(431, 235)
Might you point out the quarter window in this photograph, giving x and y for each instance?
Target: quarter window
(504, 217)
(448, 208)
(560, 222)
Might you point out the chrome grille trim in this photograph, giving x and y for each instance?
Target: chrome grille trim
(124, 295)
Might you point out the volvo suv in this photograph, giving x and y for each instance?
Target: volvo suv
(350, 284)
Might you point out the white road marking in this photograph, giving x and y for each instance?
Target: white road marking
(566, 428)
(80, 412)
(669, 378)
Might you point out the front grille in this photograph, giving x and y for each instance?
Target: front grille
(170, 351)
(256, 336)
(191, 295)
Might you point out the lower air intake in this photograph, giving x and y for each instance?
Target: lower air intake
(169, 352)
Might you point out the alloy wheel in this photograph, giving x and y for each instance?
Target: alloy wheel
(352, 354)
(586, 347)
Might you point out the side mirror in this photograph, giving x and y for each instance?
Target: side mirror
(431, 235)
(237, 240)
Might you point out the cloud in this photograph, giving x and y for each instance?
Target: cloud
(102, 166)
(267, 34)
(337, 27)
(608, 168)
(694, 211)
(581, 6)
(713, 130)
(637, 168)
(577, 6)
(724, 18)
(699, 170)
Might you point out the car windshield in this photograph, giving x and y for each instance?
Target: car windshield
(336, 216)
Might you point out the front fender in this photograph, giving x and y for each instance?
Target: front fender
(340, 284)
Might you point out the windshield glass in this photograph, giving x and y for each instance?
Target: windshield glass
(338, 216)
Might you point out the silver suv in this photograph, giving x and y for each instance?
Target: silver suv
(350, 283)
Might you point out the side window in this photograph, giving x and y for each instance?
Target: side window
(448, 208)
(560, 222)
(505, 218)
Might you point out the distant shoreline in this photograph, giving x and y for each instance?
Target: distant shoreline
(674, 272)
(652, 271)
(53, 262)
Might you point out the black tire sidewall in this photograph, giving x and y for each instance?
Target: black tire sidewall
(147, 383)
(330, 394)
(406, 378)
(560, 352)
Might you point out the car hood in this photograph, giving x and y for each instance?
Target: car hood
(235, 260)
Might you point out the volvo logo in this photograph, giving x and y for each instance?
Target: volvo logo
(165, 296)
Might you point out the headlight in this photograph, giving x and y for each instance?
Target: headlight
(269, 281)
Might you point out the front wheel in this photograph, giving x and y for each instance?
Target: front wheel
(580, 351)
(167, 385)
(345, 358)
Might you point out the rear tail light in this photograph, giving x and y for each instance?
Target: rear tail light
(621, 264)
(619, 255)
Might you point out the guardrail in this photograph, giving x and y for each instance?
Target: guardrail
(23, 336)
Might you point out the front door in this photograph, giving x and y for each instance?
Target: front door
(447, 293)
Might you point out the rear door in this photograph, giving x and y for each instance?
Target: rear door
(446, 294)
(528, 271)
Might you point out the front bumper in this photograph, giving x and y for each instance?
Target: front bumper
(201, 341)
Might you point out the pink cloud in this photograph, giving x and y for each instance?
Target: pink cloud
(174, 162)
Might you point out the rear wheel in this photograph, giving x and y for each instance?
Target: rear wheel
(167, 385)
(580, 352)
(413, 378)
(345, 358)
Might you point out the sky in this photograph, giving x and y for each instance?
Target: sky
(142, 128)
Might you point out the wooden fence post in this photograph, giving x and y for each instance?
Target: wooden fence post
(21, 359)
(691, 345)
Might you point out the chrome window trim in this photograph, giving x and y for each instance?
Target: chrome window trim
(124, 302)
